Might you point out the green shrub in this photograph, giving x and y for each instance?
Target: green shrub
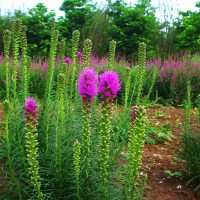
(190, 155)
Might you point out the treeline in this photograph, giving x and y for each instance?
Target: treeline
(127, 25)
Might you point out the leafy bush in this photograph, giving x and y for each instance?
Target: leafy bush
(190, 155)
(158, 134)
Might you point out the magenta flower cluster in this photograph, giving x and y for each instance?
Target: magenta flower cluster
(79, 55)
(30, 109)
(109, 85)
(68, 60)
(87, 84)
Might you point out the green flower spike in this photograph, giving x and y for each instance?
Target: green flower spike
(77, 166)
(135, 145)
(87, 47)
(24, 60)
(16, 42)
(31, 114)
(112, 48)
(6, 40)
(75, 41)
(142, 58)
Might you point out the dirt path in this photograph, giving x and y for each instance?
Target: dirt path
(159, 157)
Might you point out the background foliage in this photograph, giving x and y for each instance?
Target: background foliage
(128, 25)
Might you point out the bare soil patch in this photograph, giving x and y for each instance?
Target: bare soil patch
(160, 157)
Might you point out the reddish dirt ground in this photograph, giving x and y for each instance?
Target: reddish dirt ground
(159, 157)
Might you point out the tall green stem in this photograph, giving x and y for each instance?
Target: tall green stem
(16, 40)
(87, 47)
(75, 41)
(24, 61)
(62, 56)
(104, 145)
(187, 109)
(127, 87)
(6, 39)
(142, 58)
(86, 138)
(111, 60)
(49, 84)
(135, 144)
(59, 130)
(77, 166)
(8, 146)
(31, 114)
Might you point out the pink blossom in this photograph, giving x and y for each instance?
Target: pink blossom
(80, 55)
(109, 85)
(30, 105)
(68, 60)
(87, 84)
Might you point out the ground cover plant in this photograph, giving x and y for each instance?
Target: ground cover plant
(64, 137)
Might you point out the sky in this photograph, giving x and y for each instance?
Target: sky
(23, 5)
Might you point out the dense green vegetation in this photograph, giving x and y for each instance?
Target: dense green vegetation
(75, 120)
(128, 25)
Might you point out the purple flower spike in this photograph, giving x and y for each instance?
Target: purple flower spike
(80, 55)
(30, 109)
(30, 105)
(109, 85)
(68, 60)
(87, 84)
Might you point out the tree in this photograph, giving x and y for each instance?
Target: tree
(188, 28)
(38, 24)
(77, 12)
(131, 25)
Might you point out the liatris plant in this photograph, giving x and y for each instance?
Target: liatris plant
(79, 55)
(16, 40)
(112, 48)
(142, 57)
(135, 144)
(31, 115)
(109, 86)
(75, 41)
(187, 109)
(68, 61)
(59, 129)
(86, 52)
(53, 25)
(79, 62)
(127, 87)
(62, 55)
(24, 60)
(8, 148)
(77, 166)
(49, 84)
(87, 87)
(6, 39)
(153, 82)
(134, 82)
